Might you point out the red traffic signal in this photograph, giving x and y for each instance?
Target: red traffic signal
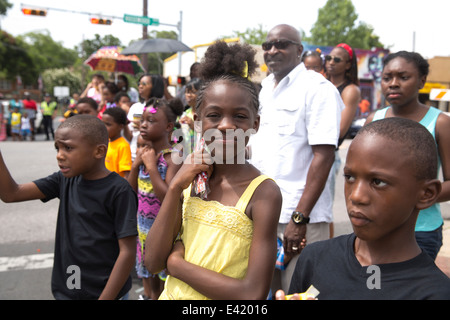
(101, 21)
(181, 81)
(34, 12)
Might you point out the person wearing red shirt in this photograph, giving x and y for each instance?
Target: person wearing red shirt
(30, 107)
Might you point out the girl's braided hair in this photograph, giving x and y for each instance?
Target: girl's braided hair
(235, 63)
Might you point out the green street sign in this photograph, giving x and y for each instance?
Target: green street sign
(141, 20)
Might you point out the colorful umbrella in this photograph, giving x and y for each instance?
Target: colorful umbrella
(110, 59)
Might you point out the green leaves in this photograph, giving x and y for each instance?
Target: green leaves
(337, 22)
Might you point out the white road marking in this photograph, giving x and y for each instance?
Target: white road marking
(28, 262)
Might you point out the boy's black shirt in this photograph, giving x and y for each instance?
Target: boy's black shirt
(93, 215)
(331, 266)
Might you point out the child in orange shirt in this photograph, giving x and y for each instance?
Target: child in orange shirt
(118, 158)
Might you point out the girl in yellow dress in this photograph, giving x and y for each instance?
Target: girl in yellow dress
(222, 244)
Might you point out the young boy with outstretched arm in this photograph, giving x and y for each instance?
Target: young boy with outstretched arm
(390, 175)
(95, 245)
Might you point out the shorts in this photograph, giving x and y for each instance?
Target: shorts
(430, 241)
(15, 129)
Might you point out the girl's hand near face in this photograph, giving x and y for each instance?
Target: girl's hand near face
(149, 158)
(186, 120)
(138, 160)
(195, 163)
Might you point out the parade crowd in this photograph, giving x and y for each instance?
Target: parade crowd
(154, 181)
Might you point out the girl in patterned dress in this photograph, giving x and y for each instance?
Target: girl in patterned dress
(150, 175)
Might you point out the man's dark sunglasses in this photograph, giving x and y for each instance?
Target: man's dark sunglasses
(279, 44)
(329, 58)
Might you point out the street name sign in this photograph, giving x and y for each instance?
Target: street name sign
(140, 20)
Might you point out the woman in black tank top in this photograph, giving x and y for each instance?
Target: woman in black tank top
(342, 71)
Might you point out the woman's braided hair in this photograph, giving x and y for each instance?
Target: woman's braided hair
(234, 63)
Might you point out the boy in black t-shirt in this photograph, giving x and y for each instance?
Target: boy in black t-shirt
(95, 246)
(390, 175)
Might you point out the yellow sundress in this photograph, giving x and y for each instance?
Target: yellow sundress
(215, 237)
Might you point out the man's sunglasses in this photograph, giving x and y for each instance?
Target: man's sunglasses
(279, 44)
(336, 59)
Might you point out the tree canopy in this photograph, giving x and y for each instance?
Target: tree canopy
(4, 6)
(89, 46)
(15, 60)
(336, 23)
(251, 35)
(46, 52)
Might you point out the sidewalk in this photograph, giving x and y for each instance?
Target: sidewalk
(443, 258)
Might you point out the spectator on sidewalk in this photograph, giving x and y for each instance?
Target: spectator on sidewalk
(30, 107)
(299, 131)
(48, 108)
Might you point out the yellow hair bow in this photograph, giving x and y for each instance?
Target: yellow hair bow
(244, 73)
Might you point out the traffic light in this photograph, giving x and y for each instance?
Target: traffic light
(176, 81)
(101, 21)
(34, 12)
(181, 81)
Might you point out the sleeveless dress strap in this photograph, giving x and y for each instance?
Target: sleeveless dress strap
(429, 120)
(248, 193)
(167, 150)
(380, 114)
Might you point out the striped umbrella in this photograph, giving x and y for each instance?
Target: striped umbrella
(110, 59)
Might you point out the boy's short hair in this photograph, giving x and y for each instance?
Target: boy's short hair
(119, 96)
(416, 141)
(91, 127)
(89, 101)
(118, 114)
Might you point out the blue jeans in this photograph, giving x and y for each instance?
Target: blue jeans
(430, 241)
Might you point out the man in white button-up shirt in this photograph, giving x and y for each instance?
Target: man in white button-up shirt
(295, 145)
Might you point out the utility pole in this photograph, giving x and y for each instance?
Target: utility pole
(180, 28)
(144, 56)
